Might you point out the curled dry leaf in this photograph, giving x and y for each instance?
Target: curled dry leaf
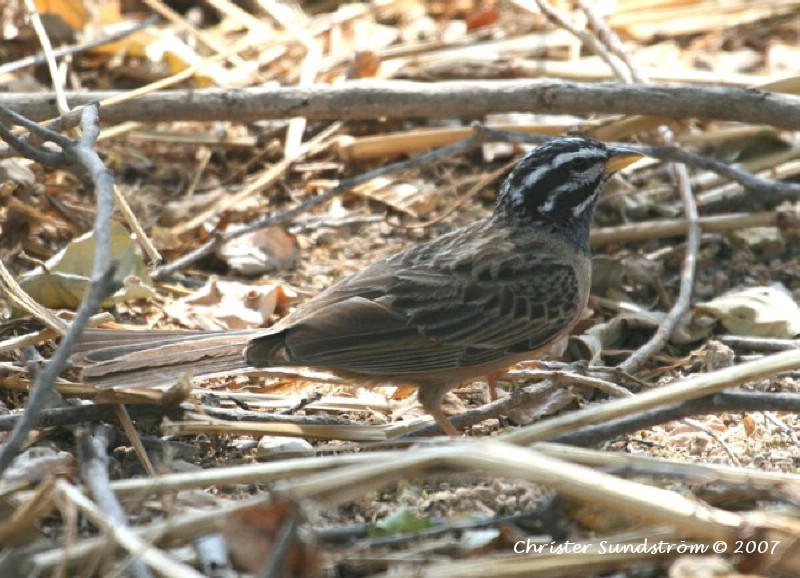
(611, 335)
(262, 251)
(230, 305)
(756, 311)
(547, 404)
(416, 198)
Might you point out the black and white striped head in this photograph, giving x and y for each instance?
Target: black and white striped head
(561, 180)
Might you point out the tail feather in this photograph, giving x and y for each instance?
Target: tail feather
(123, 358)
(267, 350)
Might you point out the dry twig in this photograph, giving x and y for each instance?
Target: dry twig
(80, 157)
(401, 99)
(686, 389)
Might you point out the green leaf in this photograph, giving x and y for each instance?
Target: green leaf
(401, 521)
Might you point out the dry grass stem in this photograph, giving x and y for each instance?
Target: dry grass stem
(663, 228)
(127, 539)
(641, 464)
(204, 425)
(688, 388)
(133, 436)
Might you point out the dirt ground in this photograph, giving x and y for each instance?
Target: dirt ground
(311, 473)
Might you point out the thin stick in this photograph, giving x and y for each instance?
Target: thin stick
(769, 344)
(32, 139)
(590, 41)
(133, 436)
(94, 473)
(102, 274)
(685, 389)
(71, 415)
(133, 222)
(661, 467)
(667, 325)
(670, 322)
(661, 228)
(35, 59)
(178, 21)
(47, 48)
(714, 403)
(135, 545)
(495, 458)
(609, 40)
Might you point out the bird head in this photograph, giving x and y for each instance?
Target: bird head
(561, 180)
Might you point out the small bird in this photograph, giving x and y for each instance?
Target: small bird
(464, 305)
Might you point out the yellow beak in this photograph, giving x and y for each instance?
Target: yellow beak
(621, 158)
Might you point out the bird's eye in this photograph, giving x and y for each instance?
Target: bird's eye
(580, 165)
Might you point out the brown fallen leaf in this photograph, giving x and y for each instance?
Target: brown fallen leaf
(268, 534)
(230, 305)
(262, 251)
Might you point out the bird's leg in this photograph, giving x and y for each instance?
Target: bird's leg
(430, 396)
(491, 381)
(444, 423)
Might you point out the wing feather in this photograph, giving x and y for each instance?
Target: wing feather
(434, 308)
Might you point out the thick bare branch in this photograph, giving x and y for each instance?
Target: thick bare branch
(400, 99)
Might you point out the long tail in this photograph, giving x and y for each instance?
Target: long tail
(128, 358)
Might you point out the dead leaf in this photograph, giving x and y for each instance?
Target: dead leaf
(282, 448)
(547, 404)
(70, 14)
(67, 274)
(749, 425)
(756, 311)
(611, 335)
(230, 305)
(482, 18)
(415, 198)
(255, 537)
(262, 251)
(15, 175)
(767, 240)
(365, 64)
